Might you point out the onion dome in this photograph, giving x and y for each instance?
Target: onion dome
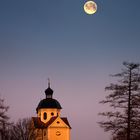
(49, 91)
(48, 102)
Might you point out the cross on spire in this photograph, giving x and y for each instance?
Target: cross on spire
(49, 83)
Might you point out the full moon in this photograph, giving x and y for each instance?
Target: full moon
(90, 7)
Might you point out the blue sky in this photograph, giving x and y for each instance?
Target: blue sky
(56, 39)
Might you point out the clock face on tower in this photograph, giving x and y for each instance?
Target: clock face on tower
(58, 133)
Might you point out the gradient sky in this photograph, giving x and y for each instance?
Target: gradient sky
(56, 39)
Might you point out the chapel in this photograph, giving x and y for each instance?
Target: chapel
(49, 124)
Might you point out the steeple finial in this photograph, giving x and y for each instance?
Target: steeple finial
(49, 91)
(49, 83)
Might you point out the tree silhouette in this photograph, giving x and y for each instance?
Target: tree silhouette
(22, 130)
(3, 119)
(124, 98)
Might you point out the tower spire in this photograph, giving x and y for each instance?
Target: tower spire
(49, 91)
(49, 83)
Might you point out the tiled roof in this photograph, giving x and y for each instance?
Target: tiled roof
(39, 124)
(66, 121)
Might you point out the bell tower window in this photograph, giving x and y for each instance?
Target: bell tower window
(52, 114)
(45, 116)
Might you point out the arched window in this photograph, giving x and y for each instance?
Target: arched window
(45, 115)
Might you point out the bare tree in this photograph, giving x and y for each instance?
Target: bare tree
(22, 130)
(3, 119)
(124, 97)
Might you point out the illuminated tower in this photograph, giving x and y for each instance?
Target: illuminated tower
(49, 124)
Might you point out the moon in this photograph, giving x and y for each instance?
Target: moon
(90, 7)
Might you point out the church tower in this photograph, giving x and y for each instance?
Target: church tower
(49, 124)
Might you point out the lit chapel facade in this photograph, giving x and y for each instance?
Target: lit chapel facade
(49, 125)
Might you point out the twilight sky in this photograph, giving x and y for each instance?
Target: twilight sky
(56, 39)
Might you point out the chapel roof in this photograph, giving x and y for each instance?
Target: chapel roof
(49, 103)
(39, 124)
